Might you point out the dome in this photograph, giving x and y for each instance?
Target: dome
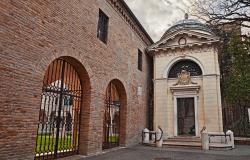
(188, 24)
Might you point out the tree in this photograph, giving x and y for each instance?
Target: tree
(235, 82)
(226, 17)
(237, 86)
(220, 11)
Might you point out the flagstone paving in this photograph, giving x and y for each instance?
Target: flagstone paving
(150, 153)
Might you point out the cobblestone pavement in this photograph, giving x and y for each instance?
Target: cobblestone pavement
(150, 153)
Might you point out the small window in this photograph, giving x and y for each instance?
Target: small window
(102, 30)
(139, 60)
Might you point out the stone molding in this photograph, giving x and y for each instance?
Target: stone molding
(190, 87)
(162, 47)
(176, 59)
(122, 8)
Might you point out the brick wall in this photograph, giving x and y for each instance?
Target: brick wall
(33, 34)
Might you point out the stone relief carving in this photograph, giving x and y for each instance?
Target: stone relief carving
(184, 78)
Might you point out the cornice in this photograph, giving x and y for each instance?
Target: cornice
(181, 88)
(122, 8)
(176, 47)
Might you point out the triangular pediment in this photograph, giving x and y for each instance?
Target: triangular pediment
(184, 38)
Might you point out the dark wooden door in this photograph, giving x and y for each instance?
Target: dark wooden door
(186, 116)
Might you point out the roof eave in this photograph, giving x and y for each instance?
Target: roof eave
(136, 21)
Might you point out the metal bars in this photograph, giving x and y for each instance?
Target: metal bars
(235, 118)
(58, 127)
(111, 126)
(190, 66)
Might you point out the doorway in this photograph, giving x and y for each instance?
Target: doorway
(186, 116)
(59, 118)
(111, 126)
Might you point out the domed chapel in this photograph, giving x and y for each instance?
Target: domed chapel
(186, 79)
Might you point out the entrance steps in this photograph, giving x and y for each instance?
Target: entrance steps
(242, 140)
(220, 146)
(183, 142)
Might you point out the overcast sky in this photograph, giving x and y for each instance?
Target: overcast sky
(158, 15)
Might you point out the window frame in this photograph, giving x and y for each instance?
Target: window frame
(102, 27)
(139, 60)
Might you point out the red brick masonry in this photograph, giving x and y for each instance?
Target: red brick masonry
(33, 33)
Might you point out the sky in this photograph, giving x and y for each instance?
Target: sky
(157, 16)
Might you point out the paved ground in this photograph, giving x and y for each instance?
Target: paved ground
(149, 153)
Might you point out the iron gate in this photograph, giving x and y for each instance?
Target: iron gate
(59, 125)
(111, 126)
(236, 118)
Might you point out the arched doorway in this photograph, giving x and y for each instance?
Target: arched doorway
(114, 115)
(59, 118)
(185, 97)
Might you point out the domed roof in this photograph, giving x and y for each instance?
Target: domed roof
(188, 24)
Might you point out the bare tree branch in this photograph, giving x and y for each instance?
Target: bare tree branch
(218, 11)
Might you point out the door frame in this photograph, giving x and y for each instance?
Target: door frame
(195, 112)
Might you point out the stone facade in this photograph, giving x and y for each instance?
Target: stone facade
(35, 33)
(200, 47)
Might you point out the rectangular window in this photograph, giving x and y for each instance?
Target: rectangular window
(102, 30)
(139, 60)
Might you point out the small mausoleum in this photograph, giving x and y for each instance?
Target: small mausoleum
(187, 94)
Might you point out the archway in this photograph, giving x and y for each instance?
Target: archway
(185, 96)
(114, 123)
(58, 133)
(188, 65)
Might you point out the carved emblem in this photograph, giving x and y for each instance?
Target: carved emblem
(184, 78)
(182, 41)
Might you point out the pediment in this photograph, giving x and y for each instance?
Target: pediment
(184, 38)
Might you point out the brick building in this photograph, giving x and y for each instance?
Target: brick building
(74, 70)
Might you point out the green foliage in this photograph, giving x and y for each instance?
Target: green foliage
(237, 81)
(240, 127)
(113, 139)
(46, 143)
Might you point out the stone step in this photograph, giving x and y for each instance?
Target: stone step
(196, 145)
(219, 146)
(182, 139)
(183, 142)
(242, 140)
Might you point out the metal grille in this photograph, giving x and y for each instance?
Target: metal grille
(236, 118)
(111, 126)
(187, 65)
(58, 127)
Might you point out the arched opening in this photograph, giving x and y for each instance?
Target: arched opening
(114, 123)
(63, 92)
(188, 65)
(185, 93)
